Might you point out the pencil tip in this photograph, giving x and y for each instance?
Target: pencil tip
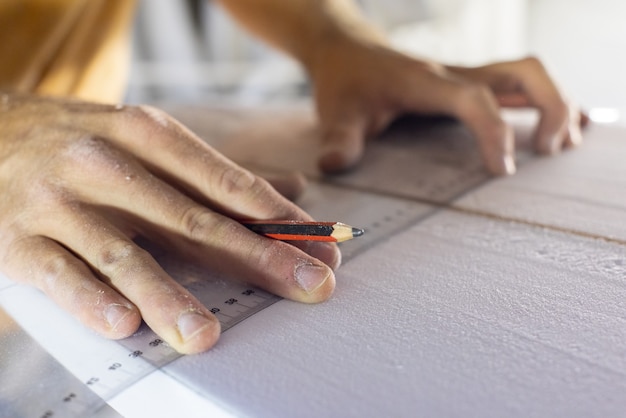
(357, 232)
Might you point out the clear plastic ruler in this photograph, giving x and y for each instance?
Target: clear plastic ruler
(78, 372)
(88, 364)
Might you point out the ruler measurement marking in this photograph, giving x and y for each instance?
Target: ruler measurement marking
(146, 352)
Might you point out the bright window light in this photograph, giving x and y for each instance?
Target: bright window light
(604, 114)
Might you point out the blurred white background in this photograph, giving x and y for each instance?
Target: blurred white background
(190, 50)
(584, 44)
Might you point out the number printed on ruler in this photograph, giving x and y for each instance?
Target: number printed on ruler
(230, 302)
(77, 373)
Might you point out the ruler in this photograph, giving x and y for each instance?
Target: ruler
(145, 352)
(95, 370)
(78, 372)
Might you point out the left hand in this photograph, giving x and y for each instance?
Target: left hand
(362, 86)
(81, 181)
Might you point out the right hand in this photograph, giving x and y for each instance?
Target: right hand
(79, 181)
(362, 86)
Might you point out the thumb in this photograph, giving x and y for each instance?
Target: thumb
(343, 142)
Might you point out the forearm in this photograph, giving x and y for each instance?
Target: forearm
(302, 27)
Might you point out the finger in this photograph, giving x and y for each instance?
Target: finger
(552, 130)
(574, 135)
(108, 177)
(584, 119)
(475, 106)
(181, 158)
(478, 109)
(157, 210)
(528, 78)
(169, 309)
(166, 146)
(343, 139)
(73, 286)
(175, 154)
(576, 121)
(300, 271)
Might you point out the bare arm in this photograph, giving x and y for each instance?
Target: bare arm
(361, 84)
(302, 27)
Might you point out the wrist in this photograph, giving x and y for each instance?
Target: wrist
(337, 26)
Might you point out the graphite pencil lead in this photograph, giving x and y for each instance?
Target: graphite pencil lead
(357, 232)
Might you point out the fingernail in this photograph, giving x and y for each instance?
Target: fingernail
(192, 323)
(115, 313)
(310, 277)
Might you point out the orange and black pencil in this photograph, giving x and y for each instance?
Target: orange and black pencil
(304, 231)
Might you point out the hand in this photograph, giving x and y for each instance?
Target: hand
(79, 181)
(361, 86)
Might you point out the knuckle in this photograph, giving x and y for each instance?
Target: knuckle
(533, 61)
(155, 127)
(48, 192)
(54, 269)
(265, 254)
(89, 153)
(150, 115)
(234, 180)
(57, 276)
(94, 158)
(23, 217)
(118, 255)
(473, 97)
(472, 92)
(431, 67)
(13, 252)
(197, 223)
(41, 203)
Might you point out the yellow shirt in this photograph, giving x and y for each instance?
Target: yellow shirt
(77, 48)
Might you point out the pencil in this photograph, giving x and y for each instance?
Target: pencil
(304, 231)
